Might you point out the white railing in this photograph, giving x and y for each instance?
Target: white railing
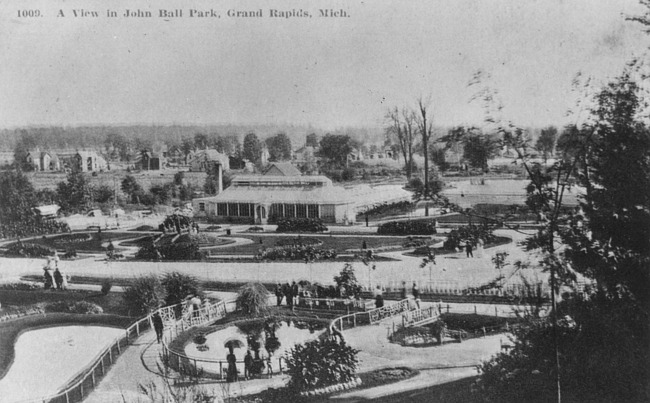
(88, 378)
(419, 316)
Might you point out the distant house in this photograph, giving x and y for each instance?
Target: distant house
(304, 154)
(202, 160)
(43, 160)
(89, 161)
(49, 211)
(282, 169)
(152, 161)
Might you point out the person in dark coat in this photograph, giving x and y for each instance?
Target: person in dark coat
(248, 364)
(278, 294)
(47, 278)
(288, 294)
(294, 291)
(158, 325)
(58, 279)
(468, 249)
(232, 367)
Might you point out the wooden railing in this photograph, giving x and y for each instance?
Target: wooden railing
(336, 304)
(419, 316)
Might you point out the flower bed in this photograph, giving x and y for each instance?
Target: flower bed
(306, 252)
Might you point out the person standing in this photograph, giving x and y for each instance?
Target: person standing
(196, 306)
(379, 298)
(47, 278)
(232, 366)
(158, 325)
(416, 294)
(403, 293)
(468, 249)
(294, 292)
(278, 294)
(248, 363)
(58, 279)
(287, 293)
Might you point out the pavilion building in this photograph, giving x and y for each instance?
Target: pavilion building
(262, 199)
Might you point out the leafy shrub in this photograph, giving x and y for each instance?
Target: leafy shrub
(416, 242)
(255, 229)
(145, 294)
(199, 338)
(298, 252)
(12, 312)
(213, 228)
(145, 228)
(301, 225)
(82, 307)
(347, 280)
(419, 227)
(176, 223)
(415, 183)
(253, 299)
(71, 239)
(107, 284)
(321, 363)
(178, 286)
(469, 233)
(28, 250)
(187, 249)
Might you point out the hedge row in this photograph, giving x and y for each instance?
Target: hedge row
(301, 225)
(298, 252)
(407, 228)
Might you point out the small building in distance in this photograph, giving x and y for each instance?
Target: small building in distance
(89, 161)
(202, 160)
(43, 160)
(280, 193)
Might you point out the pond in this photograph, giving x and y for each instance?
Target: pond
(269, 339)
(46, 359)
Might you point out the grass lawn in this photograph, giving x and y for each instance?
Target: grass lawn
(82, 241)
(339, 244)
(471, 322)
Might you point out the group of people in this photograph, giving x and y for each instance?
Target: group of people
(52, 275)
(293, 292)
(289, 291)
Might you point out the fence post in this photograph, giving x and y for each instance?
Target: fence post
(93, 377)
(447, 308)
(67, 398)
(474, 309)
(119, 351)
(127, 337)
(495, 311)
(110, 355)
(82, 391)
(354, 318)
(137, 328)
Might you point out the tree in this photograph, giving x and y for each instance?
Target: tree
(187, 147)
(178, 286)
(17, 198)
(311, 140)
(27, 142)
(595, 343)
(162, 194)
(347, 280)
(253, 299)
(335, 148)
(117, 146)
(131, 188)
(479, 148)
(102, 194)
(200, 141)
(252, 149)
(401, 128)
(75, 193)
(424, 122)
(145, 294)
(546, 142)
(279, 147)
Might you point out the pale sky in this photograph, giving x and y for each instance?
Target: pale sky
(327, 72)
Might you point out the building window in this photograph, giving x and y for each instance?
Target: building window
(290, 210)
(233, 209)
(201, 206)
(301, 210)
(222, 209)
(312, 211)
(244, 210)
